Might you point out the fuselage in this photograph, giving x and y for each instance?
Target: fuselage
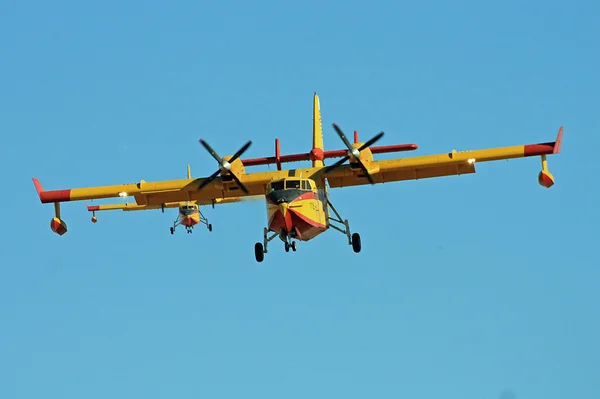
(189, 215)
(297, 207)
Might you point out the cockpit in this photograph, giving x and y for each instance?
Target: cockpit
(187, 209)
(291, 184)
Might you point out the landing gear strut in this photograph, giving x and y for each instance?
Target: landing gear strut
(190, 229)
(205, 221)
(260, 248)
(353, 238)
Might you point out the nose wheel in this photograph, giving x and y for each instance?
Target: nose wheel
(289, 245)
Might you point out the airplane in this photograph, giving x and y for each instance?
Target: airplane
(189, 213)
(298, 204)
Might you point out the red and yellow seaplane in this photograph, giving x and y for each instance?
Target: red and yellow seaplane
(189, 213)
(297, 200)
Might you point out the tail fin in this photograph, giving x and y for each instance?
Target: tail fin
(189, 172)
(317, 150)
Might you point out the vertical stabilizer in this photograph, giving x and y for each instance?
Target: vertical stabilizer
(317, 150)
(189, 172)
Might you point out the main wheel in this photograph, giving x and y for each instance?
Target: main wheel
(356, 245)
(209, 227)
(287, 247)
(258, 252)
(172, 230)
(294, 246)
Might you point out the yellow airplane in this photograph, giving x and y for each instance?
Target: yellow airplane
(297, 200)
(189, 214)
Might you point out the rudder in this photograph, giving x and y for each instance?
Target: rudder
(316, 154)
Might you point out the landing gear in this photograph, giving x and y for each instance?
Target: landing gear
(205, 221)
(259, 252)
(177, 222)
(288, 243)
(260, 248)
(190, 229)
(353, 238)
(356, 245)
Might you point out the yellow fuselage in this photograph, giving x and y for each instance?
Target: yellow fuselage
(189, 215)
(296, 207)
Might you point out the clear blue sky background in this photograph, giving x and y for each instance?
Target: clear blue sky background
(479, 286)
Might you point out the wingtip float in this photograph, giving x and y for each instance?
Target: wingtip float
(298, 200)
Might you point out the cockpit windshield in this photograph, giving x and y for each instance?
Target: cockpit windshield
(291, 184)
(187, 209)
(277, 185)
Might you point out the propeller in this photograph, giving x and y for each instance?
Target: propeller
(224, 166)
(353, 152)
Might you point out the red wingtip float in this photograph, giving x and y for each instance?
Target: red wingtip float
(545, 178)
(298, 200)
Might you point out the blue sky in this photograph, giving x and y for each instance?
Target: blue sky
(479, 286)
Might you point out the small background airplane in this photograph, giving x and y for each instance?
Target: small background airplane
(297, 200)
(189, 213)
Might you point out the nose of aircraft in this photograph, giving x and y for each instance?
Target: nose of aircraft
(287, 217)
(283, 208)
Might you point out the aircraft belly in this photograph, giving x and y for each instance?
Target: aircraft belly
(306, 216)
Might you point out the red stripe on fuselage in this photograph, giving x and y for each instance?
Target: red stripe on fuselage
(291, 220)
(307, 220)
(278, 222)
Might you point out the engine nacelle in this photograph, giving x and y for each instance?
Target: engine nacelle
(546, 179)
(366, 156)
(58, 226)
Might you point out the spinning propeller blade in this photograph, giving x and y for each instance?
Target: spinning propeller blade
(353, 152)
(224, 166)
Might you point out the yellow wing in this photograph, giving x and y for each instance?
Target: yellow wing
(135, 207)
(158, 193)
(207, 190)
(453, 163)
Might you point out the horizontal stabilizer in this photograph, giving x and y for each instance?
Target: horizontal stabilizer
(279, 159)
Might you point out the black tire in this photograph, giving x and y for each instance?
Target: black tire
(287, 247)
(172, 230)
(294, 246)
(210, 227)
(356, 244)
(258, 252)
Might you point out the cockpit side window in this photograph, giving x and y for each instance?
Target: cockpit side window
(277, 185)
